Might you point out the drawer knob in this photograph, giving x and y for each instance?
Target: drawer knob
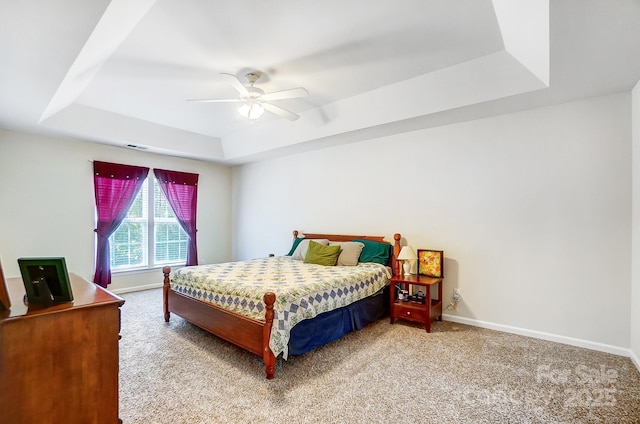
(408, 312)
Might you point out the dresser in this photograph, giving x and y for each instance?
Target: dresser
(59, 364)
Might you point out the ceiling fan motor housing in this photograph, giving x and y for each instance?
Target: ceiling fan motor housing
(253, 92)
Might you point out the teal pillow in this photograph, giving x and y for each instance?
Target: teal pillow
(375, 252)
(296, 242)
(322, 255)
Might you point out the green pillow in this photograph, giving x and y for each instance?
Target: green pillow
(322, 255)
(296, 242)
(375, 252)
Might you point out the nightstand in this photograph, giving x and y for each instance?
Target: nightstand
(419, 312)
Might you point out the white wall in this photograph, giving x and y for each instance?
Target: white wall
(46, 187)
(532, 209)
(635, 280)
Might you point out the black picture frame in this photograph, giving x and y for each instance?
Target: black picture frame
(5, 301)
(46, 280)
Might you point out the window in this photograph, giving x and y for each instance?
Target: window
(150, 235)
(170, 239)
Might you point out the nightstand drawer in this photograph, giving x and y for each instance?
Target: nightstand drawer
(410, 312)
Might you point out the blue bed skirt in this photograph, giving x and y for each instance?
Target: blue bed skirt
(312, 333)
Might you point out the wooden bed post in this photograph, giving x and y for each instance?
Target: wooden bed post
(396, 252)
(165, 291)
(267, 355)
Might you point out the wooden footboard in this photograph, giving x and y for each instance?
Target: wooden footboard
(249, 334)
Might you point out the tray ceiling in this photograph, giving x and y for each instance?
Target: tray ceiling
(119, 72)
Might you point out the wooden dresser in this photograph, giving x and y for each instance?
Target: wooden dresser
(60, 364)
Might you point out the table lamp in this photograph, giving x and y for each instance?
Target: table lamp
(407, 255)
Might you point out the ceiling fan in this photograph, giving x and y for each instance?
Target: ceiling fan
(255, 100)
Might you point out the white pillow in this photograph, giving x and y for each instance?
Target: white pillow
(350, 252)
(301, 251)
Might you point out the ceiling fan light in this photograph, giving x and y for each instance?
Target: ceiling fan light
(251, 110)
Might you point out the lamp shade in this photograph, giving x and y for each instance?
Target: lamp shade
(407, 254)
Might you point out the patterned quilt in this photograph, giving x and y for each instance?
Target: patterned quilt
(302, 290)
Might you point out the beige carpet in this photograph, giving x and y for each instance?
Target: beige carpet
(177, 373)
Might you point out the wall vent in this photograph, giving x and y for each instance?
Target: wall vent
(134, 146)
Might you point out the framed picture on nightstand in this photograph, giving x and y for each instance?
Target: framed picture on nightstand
(431, 263)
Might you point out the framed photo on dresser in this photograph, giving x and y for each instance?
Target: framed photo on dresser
(46, 280)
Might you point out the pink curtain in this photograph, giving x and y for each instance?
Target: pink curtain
(116, 187)
(181, 191)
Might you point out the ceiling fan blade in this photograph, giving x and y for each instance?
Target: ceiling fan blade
(237, 84)
(280, 111)
(214, 100)
(291, 93)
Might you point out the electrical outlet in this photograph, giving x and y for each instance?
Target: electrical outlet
(456, 295)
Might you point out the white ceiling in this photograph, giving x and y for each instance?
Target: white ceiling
(119, 72)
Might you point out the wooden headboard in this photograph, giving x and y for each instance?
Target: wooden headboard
(393, 263)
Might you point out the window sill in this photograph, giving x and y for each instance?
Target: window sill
(156, 268)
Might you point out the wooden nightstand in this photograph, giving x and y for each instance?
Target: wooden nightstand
(425, 313)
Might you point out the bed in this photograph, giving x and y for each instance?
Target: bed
(257, 322)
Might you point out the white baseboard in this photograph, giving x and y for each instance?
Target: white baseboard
(616, 350)
(635, 359)
(136, 288)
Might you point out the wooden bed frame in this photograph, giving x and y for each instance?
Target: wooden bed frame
(247, 333)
